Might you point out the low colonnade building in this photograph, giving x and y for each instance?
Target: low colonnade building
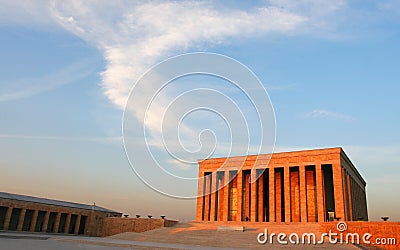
(34, 214)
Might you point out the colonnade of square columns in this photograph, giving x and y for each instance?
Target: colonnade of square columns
(281, 194)
(25, 219)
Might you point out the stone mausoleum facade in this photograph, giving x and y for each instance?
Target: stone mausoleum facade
(303, 186)
(34, 214)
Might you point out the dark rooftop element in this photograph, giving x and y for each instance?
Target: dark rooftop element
(385, 218)
(54, 202)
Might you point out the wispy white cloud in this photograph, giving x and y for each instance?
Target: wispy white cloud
(115, 139)
(31, 86)
(326, 114)
(134, 36)
(31, 13)
(280, 87)
(311, 8)
(324, 17)
(391, 6)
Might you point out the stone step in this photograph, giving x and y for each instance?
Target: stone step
(256, 227)
(231, 228)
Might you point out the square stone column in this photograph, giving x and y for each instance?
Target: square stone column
(272, 217)
(200, 195)
(344, 194)
(338, 190)
(320, 192)
(239, 195)
(226, 195)
(21, 219)
(207, 183)
(278, 196)
(303, 194)
(67, 223)
(8, 218)
(213, 195)
(34, 219)
(220, 202)
(46, 221)
(286, 187)
(261, 212)
(219, 196)
(349, 182)
(364, 208)
(78, 222)
(57, 222)
(253, 196)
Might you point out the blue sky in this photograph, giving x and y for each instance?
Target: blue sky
(330, 69)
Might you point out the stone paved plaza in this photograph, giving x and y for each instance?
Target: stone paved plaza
(191, 235)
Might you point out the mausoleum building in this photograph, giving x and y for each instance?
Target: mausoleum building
(303, 186)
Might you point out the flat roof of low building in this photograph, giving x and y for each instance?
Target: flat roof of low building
(27, 198)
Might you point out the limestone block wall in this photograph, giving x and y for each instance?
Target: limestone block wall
(385, 231)
(114, 225)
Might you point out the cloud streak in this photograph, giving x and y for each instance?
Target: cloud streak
(115, 139)
(326, 114)
(31, 86)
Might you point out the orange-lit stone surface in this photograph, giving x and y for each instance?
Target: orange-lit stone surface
(18, 215)
(301, 186)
